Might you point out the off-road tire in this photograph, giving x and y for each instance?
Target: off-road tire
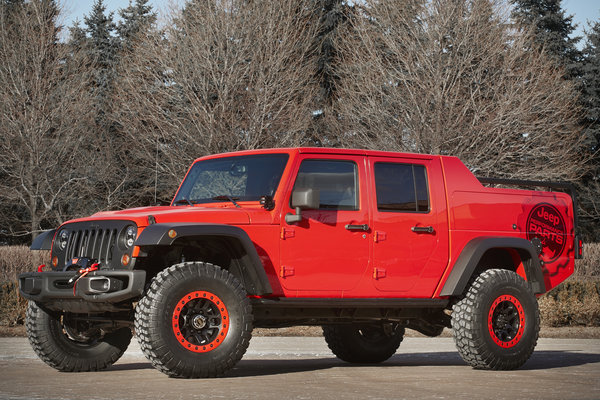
(496, 323)
(195, 321)
(363, 344)
(56, 348)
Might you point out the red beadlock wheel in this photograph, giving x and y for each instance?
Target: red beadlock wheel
(195, 321)
(496, 322)
(506, 321)
(200, 321)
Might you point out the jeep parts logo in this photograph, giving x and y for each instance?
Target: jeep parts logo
(546, 223)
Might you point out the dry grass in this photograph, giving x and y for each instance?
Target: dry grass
(573, 303)
(589, 266)
(15, 260)
(12, 305)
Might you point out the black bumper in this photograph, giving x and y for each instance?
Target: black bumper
(96, 287)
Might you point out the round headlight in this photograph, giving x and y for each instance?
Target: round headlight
(63, 239)
(130, 236)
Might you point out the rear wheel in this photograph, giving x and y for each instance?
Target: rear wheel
(69, 344)
(195, 321)
(496, 323)
(363, 343)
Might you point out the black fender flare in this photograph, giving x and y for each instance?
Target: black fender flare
(43, 241)
(469, 258)
(165, 234)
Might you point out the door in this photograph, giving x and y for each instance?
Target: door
(409, 225)
(327, 251)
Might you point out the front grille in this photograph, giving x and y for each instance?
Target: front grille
(96, 240)
(96, 244)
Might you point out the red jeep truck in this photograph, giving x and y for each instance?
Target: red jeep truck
(364, 243)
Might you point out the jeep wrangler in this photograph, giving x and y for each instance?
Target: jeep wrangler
(363, 243)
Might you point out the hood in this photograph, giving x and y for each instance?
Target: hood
(219, 214)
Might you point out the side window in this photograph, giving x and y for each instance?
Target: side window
(335, 180)
(401, 187)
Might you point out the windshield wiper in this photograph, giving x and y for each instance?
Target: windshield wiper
(183, 200)
(231, 199)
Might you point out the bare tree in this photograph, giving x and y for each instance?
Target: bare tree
(43, 108)
(227, 75)
(455, 77)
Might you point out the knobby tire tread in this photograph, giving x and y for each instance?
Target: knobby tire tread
(147, 320)
(468, 316)
(39, 333)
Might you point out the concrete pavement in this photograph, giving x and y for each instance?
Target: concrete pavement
(304, 368)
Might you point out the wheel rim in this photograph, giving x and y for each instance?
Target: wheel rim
(506, 321)
(200, 321)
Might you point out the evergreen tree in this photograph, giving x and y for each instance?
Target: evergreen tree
(77, 37)
(589, 187)
(137, 18)
(591, 85)
(552, 31)
(330, 16)
(103, 48)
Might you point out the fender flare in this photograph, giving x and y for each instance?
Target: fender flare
(43, 241)
(254, 272)
(469, 258)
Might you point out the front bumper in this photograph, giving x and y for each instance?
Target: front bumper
(96, 287)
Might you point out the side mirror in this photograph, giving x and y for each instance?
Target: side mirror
(303, 199)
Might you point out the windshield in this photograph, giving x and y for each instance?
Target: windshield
(241, 178)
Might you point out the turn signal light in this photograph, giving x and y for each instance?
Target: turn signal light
(55, 261)
(125, 260)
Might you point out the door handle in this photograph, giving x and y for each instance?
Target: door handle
(422, 229)
(363, 227)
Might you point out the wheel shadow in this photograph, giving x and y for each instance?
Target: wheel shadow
(540, 360)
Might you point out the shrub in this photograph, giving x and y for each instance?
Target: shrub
(589, 266)
(573, 303)
(12, 305)
(15, 260)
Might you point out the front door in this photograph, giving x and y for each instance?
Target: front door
(328, 251)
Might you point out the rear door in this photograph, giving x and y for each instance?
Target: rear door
(410, 228)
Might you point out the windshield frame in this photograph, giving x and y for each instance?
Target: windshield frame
(278, 163)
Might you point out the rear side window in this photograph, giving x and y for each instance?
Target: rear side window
(401, 187)
(335, 180)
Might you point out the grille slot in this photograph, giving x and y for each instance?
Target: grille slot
(97, 244)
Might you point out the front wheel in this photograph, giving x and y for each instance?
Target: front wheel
(195, 321)
(496, 323)
(69, 344)
(366, 343)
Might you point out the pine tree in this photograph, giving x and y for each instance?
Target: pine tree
(330, 15)
(103, 48)
(589, 187)
(591, 84)
(552, 31)
(137, 18)
(77, 35)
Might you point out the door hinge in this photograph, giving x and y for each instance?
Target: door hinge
(378, 273)
(379, 236)
(287, 233)
(286, 271)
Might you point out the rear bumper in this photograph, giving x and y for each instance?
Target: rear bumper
(96, 287)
